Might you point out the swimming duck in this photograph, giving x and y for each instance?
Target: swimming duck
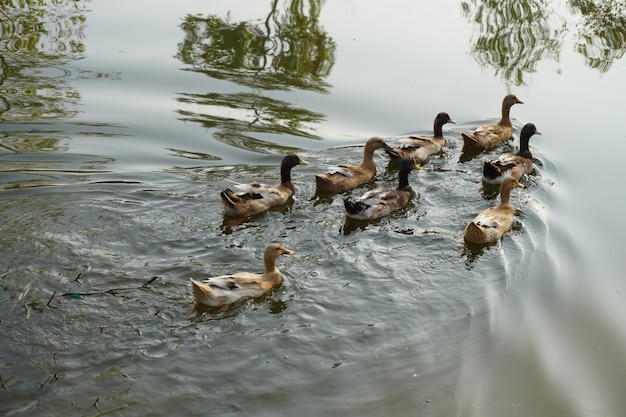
(345, 177)
(512, 164)
(254, 198)
(490, 224)
(226, 289)
(382, 201)
(489, 135)
(421, 147)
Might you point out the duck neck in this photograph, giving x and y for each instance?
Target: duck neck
(368, 158)
(505, 197)
(438, 129)
(505, 120)
(270, 265)
(523, 143)
(285, 174)
(403, 177)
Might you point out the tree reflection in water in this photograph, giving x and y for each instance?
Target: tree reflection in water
(601, 31)
(284, 51)
(37, 38)
(513, 36)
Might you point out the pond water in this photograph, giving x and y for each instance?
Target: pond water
(121, 121)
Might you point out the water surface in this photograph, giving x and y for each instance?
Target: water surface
(119, 129)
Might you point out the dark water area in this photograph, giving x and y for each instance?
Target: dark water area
(119, 130)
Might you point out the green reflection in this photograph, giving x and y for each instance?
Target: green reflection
(288, 49)
(31, 141)
(257, 113)
(49, 27)
(512, 36)
(285, 50)
(37, 38)
(601, 31)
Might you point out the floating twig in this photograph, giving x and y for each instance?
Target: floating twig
(112, 291)
(23, 293)
(101, 413)
(150, 281)
(51, 297)
(56, 287)
(44, 370)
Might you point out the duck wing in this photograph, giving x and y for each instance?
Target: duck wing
(376, 196)
(362, 206)
(500, 166)
(224, 282)
(413, 142)
(507, 161)
(256, 191)
(488, 221)
(487, 132)
(344, 170)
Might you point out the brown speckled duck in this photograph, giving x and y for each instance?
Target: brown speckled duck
(512, 164)
(226, 289)
(490, 224)
(422, 147)
(488, 136)
(345, 177)
(254, 198)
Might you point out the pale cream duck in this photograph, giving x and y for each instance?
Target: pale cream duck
(227, 289)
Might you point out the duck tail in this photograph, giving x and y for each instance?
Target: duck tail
(321, 180)
(473, 233)
(468, 140)
(353, 207)
(200, 291)
(228, 197)
(491, 170)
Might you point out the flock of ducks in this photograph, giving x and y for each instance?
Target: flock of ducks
(486, 228)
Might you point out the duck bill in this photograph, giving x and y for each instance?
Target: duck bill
(390, 150)
(303, 162)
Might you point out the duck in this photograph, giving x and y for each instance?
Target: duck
(227, 289)
(254, 198)
(490, 224)
(422, 147)
(512, 164)
(488, 136)
(379, 202)
(345, 177)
